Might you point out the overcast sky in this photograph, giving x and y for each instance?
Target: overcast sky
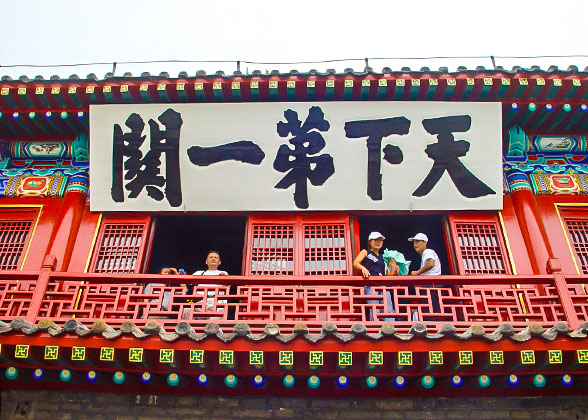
(69, 32)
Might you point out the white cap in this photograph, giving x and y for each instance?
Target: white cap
(375, 235)
(419, 237)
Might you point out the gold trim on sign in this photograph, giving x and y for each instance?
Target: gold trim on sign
(507, 243)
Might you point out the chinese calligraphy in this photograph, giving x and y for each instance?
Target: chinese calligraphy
(375, 131)
(446, 155)
(144, 172)
(300, 167)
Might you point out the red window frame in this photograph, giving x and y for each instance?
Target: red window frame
(576, 226)
(16, 229)
(479, 245)
(298, 245)
(121, 244)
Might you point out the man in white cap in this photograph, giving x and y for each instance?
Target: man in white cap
(430, 264)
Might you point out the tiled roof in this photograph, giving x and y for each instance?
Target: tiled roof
(348, 71)
(272, 331)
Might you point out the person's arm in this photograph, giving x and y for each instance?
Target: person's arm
(357, 263)
(430, 263)
(393, 269)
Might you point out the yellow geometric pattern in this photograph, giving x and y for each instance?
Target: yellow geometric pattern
(256, 357)
(166, 355)
(286, 358)
(197, 356)
(582, 356)
(136, 355)
(435, 357)
(497, 357)
(376, 358)
(226, 357)
(345, 358)
(78, 353)
(528, 357)
(405, 358)
(21, 351)
(555, 356)
(466, 357)
(315, 358)
(51, 352)
(107, 354)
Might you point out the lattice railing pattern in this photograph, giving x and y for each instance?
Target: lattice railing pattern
(13, 240)
(324, 249)
(479, 248)
(288, 305)
(15, 298)
(579, 294)
(272, 251)
(578, 234)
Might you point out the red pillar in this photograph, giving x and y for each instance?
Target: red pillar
(533, 229)
(66, 228)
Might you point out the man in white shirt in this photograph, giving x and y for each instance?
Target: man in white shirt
(430, 264)
(213, 261)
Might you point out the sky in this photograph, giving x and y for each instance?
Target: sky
(64, 32)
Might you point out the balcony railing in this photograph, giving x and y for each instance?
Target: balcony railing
(286, 301)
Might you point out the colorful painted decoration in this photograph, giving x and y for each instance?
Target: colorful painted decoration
(202, 379)
(38, 374)
(399, 382)
(567, 380)
(258, 381)
(173, 379)
(513, 380)
(427, 381)
(65, 375)
(118, 377)
(231, 381)
(484, 381)
(371, 382)
(145, 377)
(11, 372)
(539, 380)
(342, 381)
(456, 381)
(288, 381)
(314, 382)
(92, 376)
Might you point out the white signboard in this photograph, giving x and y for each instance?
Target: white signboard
(296, 156)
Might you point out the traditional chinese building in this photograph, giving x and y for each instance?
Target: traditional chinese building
(105, 182)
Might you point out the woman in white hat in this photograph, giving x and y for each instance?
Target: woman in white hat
(371, 263)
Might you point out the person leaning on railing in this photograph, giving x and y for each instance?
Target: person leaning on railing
(213, 261)
(430, 264)
(371, 263)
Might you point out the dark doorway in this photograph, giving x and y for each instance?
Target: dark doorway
(184, 241)
(397, 230)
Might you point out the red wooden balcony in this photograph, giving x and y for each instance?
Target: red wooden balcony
(489, 300)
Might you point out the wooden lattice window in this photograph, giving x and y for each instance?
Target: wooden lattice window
(272, 250)
(325, 249)
(576, 223)
(479, 245)
(298, 245)
(15, 233)
(120, 246)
